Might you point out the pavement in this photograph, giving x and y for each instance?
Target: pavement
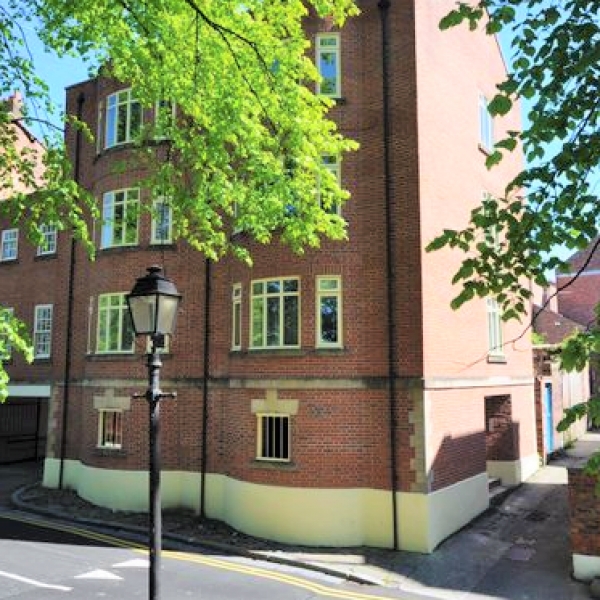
(516, 550)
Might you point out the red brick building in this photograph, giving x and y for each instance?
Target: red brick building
(329, 399)
(23, 417)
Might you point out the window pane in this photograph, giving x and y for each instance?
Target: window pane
(273, 287)
(291, 320)
(284, 438)
(328, 284)
(237, 310)
(290, 285)
(329, 319)
(328, 70)
(266, 436)
(111, 123)
(121, 136)
(127, 330)
(273, 311)
(135, 123)
(131, 223)
(257, 322)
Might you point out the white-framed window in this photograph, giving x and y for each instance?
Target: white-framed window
(115, 331)
(329, 311)
(100, 132)
(165, 113)
(110, 428)
(486, 125)
(273, 440)
(275, 309)
(123, 118)
(162, 222)
(328, 64)
(49, 239)
(42, 331)
(6, 315)
(332, 164)
(494, 322)
(236, 317)
(165, 349)
(9, 245)
(120, 211)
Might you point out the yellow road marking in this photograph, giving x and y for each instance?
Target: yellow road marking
(277, 576)
(216, 563)
(91, 535)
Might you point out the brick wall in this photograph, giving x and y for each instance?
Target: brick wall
(341, 432)
(584, 513)
(502, 437)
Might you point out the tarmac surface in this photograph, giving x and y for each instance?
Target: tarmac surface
(517, 550)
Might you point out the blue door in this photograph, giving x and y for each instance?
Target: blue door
(548, 418)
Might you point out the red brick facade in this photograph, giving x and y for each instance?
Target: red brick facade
(584, 515)
(351, 423)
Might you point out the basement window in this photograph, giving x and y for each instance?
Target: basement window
(273, 439)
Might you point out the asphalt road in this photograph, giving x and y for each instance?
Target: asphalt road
(42, 559)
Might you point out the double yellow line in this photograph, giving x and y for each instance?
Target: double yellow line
(224, 565)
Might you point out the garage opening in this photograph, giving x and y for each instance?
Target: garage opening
(23, 427)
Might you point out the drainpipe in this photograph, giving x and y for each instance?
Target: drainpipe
(205, 377)
(70, 306)
(384, 6)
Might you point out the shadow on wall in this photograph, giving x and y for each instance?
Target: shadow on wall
(462, 457)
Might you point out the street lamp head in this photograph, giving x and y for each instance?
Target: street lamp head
(153, 304)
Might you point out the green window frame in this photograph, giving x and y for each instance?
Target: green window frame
(162, 222)
(329, 311)
(275, 310)
(123, 118)
(236, 317)
(115, 331)
(9, 248)
(328, 64)
(120, 216)
(49, 240)
(42, 331)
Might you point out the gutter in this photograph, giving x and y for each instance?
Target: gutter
(70, 307)
(205, 378)
(384, 6)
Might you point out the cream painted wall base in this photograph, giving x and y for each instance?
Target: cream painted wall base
(315, 517)
(123, 490)
(513, 472)
(425, 520)
(585, 567)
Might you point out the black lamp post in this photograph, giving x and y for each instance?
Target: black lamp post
(153, 305)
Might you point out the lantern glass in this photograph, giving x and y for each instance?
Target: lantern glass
(143, 314)
(153, 304)
(166, 317)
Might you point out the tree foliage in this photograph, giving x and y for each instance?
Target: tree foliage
(250, 134)
(553, 202)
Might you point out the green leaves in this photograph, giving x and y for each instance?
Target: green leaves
(500, 105)
(246, 150)
(553, 202)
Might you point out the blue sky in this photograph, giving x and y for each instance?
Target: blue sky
(58, 74)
